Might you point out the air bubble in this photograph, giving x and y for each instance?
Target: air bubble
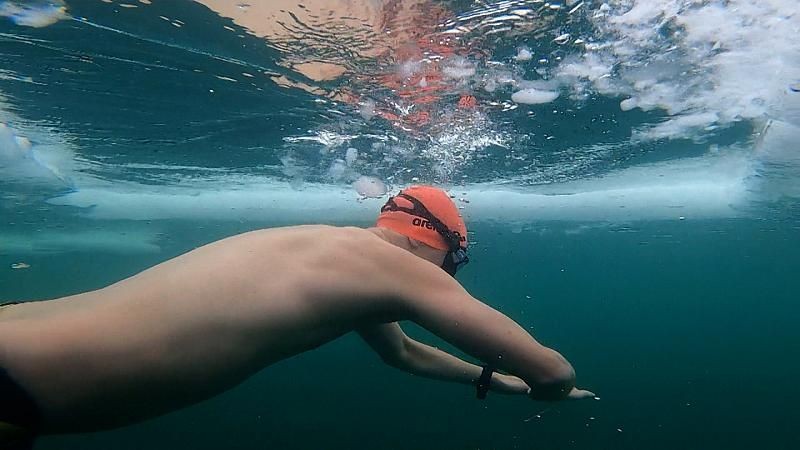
(367, 110)
(563, 39)
(628, 104)
(523, 54)
(370, 187)
(350, 156)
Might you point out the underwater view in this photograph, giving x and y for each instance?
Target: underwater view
(628, 171)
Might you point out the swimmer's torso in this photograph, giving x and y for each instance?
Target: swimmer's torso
(197, 324)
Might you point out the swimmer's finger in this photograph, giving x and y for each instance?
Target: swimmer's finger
(577, 394)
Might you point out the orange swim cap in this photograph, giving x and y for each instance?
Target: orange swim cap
(411, 222)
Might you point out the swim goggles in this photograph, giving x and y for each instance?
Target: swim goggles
(456, 257)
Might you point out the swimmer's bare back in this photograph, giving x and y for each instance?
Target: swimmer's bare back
(200, 323)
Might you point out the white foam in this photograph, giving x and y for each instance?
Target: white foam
(367, 110)
(370, 187)
(678, 127)
(523, 54)
(533, 96)
(628, 104)
(721, 60)
(458, 67)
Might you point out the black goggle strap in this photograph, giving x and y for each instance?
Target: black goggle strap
(419, 210)
(459, 256)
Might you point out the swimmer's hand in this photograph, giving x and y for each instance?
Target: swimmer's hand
(508, 384)
(554, 393)
(577, 394)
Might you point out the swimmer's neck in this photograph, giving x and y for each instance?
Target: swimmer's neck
(417, 248)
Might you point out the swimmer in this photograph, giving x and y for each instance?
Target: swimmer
(196, 325)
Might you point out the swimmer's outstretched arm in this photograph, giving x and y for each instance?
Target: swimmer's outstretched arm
(400, 351)
(442, 306)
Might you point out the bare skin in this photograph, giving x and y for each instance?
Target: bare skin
(199, 324)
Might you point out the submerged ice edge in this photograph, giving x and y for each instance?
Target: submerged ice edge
(133, 239)
(717, 186)
(707, 187)
(711, 187)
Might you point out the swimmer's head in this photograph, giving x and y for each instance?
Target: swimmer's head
(428, 215)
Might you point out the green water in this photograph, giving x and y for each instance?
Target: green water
(685, 330)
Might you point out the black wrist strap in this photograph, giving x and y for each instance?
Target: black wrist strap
(484, 381)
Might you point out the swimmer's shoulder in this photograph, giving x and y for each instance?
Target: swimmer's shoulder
(351, 240)
(320, 237)
(297, 231)
(334, 232)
